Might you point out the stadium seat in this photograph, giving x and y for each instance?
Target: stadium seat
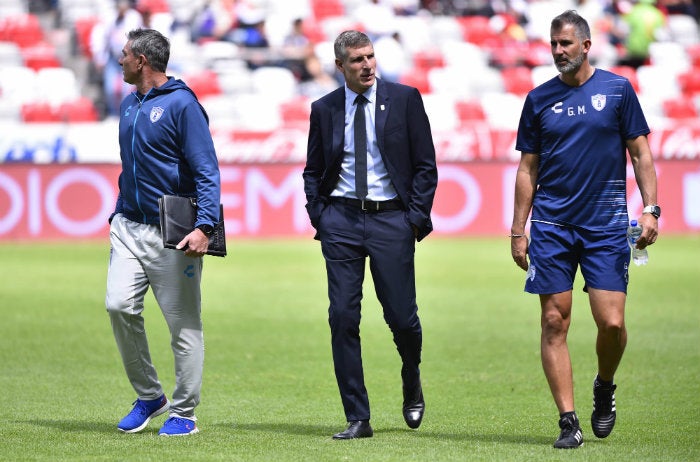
(541, 74)
(327, 8)
(680, 108)
(153, 6)
(40, 56)
(693, 52)
(257, 112)
(81, 109)
(39, 112)
(18, 84)
(657, 82)
(10, 54)
(24, 30)
(669, 55)
(424, 60)
(502, 109)
(464, 54)
(441, 112)
(82, 30)
(478, 30)
(203, 83)
(417, 78)
(274, 82)
(445, 29)
(689, 82)
(213, 51)
(222, 111)
(57, 85)
(296, 112)
(234, 78)
(469, 111)
(538, 53)
(313, 31)
(10, 111)
(517, 80)
(683, 29)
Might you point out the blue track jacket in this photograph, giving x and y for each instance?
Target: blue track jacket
(166, 148)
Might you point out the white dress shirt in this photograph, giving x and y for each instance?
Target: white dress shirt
(378, 182)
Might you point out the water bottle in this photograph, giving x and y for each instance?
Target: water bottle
(639, 256)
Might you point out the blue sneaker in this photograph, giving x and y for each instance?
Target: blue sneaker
(142, 413)
(178, 426)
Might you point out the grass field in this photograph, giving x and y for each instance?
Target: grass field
(269, 392)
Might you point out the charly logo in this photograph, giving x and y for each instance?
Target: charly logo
(598, 102)
(156, 113)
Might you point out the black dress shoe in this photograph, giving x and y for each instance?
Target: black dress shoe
(356, 429)
(413, 406)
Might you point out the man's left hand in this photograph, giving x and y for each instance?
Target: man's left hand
(195, 244)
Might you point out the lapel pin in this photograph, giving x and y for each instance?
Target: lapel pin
(381, 107)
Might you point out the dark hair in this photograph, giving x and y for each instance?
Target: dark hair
(583, 31)
(153, 45)
(349, 39)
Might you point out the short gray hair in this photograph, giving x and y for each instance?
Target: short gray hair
(153, 45)
(349, 39)
(583, 31)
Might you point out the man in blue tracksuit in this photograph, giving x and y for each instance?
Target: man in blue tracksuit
(166, 148)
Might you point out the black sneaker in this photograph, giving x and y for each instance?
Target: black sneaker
(570, 436)
(603, 416)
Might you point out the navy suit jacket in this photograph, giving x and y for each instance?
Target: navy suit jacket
(405, 143)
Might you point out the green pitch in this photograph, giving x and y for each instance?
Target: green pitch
(269, 392)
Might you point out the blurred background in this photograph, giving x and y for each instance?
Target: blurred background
(256, 65)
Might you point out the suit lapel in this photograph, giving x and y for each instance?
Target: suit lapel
(338, 124)
(381, 112)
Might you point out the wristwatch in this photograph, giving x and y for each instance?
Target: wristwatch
(653, 209)
(208, 230)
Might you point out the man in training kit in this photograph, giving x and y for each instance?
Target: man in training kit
(573, 135)
(166, 148)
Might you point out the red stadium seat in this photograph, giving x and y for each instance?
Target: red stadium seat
(83, 29)
(327, 8)
(477, 30)
(693, 52)
(296, 112)
(469, 111)
(538, 53)
(38, 113)
(78, 110)
(680, 108)
(40, 55)
(517, 80)
(689, 82)
(417, 78)
(203, 83)
(24, 30)
(153, 6)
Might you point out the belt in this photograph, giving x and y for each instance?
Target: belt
(370, 206)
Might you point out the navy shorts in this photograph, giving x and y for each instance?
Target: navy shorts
(557, 251)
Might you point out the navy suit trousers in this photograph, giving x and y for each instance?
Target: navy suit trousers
(348, 236)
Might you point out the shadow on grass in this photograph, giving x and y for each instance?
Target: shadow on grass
(325, 431)
(74, 425)
(328, 431)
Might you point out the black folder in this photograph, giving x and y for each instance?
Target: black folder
(177, 218)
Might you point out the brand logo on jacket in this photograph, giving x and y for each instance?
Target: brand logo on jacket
(598, 102)
(156, 113)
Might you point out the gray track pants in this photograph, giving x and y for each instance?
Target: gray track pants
(137, 261)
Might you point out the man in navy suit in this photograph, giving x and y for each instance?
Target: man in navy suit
(370, 179)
